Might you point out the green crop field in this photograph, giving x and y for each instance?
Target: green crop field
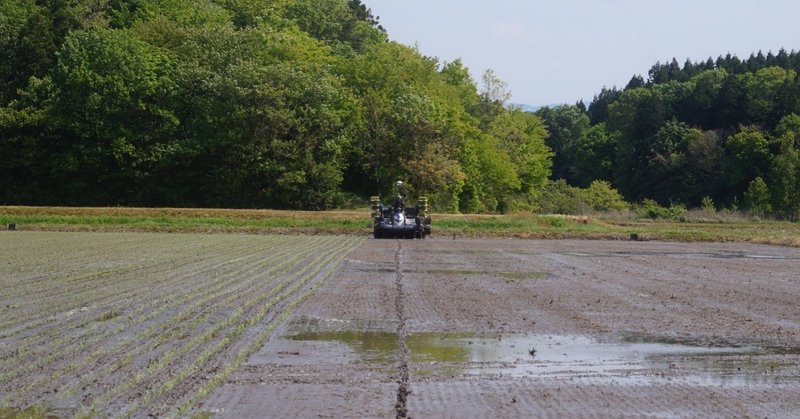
(137, 324)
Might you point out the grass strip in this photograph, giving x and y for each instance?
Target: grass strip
(517, 225)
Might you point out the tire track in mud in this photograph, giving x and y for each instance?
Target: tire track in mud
(401, 408)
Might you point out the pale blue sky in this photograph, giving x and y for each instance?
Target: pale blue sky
(560, 51)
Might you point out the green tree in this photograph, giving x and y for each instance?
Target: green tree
(30, 146)
(567, 125)
(493, 96)
(788, 129)
(635, 119)
(455, 74)
(27, 46)
(521, 136)
(594, 156)
(598, 108)
(345, 25)
(273, 130)
(112, 98)
(756, 197)
(785, 181)
(703, 166)
(663, 178)
(730, 108)
(600, 196)
(746, 157)
(699, 110)
(764, 88)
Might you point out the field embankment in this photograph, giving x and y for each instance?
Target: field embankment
(518, 225)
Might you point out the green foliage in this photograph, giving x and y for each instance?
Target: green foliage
(764, 87)
(703, 129)
(650, 209)
(26, 45)
(347, 26)
(247, 103)
(594, 156)
(785, 175)
(111, 106)
(566, 125)
(707, 205)
(600, 196)
(296, 103)
(560, 198)
(756, 198)
(788, 129)
(522, 138)
(747, 157)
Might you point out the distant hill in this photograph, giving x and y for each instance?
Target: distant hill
(531, 108)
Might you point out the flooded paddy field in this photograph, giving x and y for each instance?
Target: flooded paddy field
(283, 326)
(514, 328)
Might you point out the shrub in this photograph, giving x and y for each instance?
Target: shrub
(707, 205)
(560, 198)
(600, 196)
(650, 209)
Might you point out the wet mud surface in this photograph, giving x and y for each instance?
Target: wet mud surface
(513, 328)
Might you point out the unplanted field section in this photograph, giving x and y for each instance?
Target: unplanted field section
(510, 328)
(524, 328)
(137, 324)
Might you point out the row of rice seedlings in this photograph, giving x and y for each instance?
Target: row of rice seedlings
(63, 294)
(299, 279)
(258, 342)
(204, 337)
(55, 253)
(97, 353)
(152, 338)
(51, 346)
(153, 330)
(114, 282)
(111, 294)
(79, 324)
(310, 272)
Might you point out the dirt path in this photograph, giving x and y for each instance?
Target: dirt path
(507, 328)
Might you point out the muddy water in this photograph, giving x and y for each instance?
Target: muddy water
(548, 356)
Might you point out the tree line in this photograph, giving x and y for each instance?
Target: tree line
(302, 104)
(250, 104)
(725, 131)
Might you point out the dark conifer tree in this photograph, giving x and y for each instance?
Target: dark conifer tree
(635, 82)
(689, 69)
(598, 109)
(782, 59)
(674, 72)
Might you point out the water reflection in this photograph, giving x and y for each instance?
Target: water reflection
(551, 356)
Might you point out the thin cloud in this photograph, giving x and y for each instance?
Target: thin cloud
(509, 31)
